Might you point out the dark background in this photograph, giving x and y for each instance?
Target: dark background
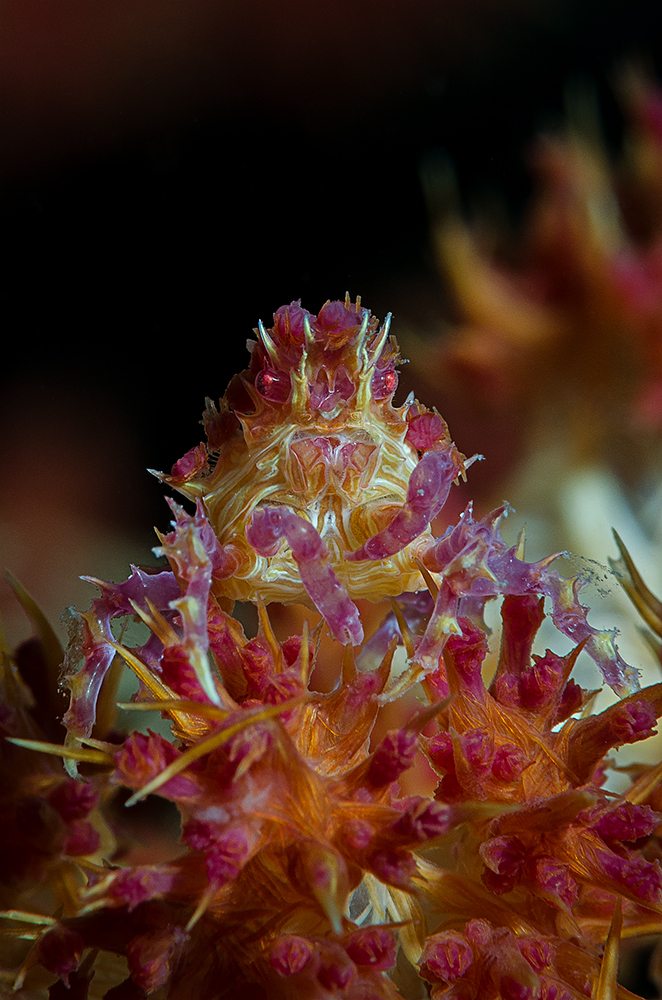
(172, 172)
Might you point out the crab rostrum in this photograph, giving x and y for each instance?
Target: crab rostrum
(320, 491)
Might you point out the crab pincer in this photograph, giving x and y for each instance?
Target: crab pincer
(265, 531)
(427, 492)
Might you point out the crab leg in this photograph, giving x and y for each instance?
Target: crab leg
(268, 525)
(427, 492)
(477, 564)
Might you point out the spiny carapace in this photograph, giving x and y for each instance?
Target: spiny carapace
(307, 446)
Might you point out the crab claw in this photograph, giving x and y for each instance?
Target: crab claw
(427, 492)
(268, 525)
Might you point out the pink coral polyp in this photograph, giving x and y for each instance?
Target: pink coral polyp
(447, 956)
(290, 955)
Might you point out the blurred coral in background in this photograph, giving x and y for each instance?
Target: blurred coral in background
(557, 339)
(551, 350)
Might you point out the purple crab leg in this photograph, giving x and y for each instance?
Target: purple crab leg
(477, 564)
(427, 492)
(270, 524)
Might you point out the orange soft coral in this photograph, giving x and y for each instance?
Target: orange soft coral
(304, 871)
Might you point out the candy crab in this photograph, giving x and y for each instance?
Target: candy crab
(319, 491)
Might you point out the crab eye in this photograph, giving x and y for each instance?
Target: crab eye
(384, 383)
(273, 386)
